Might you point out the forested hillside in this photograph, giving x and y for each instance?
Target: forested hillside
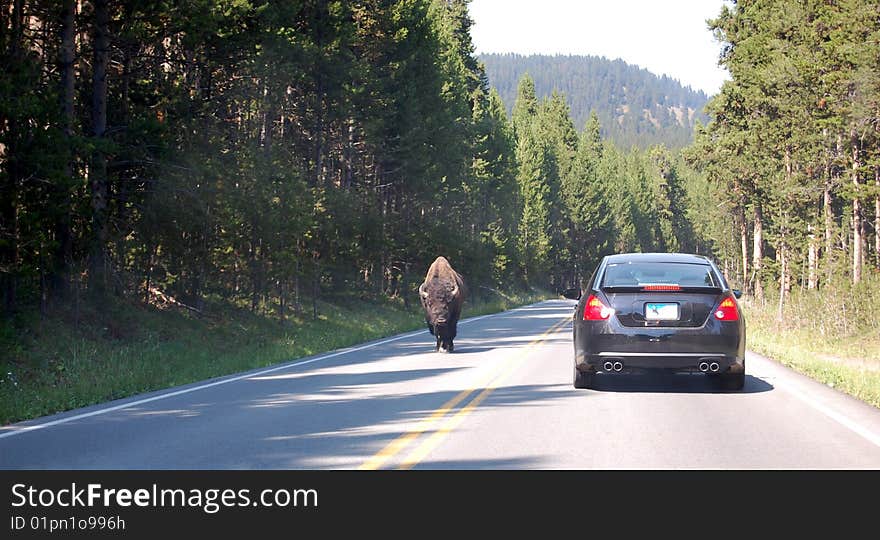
(634, 106)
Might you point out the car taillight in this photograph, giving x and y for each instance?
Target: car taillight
(726, 310)
(595, 310)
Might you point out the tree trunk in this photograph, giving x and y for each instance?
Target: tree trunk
(122, 194)
(319, 138)
(255, 271)
(744, 245)
(832, 180)
(829, 224)
(784, 284)
(812, 259)
(758, 253)
(877, 218)
(281, 298)
(98, 171)
(348, 155)
(316, 287)
(782, 251)
(9, 192)
(858, 232)
(62, 255)
(297, 304)
(268, 121)
(152, 251)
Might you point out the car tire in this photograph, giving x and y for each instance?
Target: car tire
(582, 379)
(733, 381)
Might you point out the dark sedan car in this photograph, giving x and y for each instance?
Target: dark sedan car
(671, 311)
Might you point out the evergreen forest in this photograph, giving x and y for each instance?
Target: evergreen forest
(267, 155)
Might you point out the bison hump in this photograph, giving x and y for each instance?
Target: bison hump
(441, 269)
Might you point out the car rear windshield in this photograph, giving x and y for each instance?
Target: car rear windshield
(640, 274)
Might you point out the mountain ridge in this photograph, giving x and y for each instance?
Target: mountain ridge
(635, 106)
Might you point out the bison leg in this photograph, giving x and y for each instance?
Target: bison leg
(450, 336)
(437, 347)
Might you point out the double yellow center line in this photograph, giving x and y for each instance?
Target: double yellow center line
(486, 385)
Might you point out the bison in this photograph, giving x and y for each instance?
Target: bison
(442, 294)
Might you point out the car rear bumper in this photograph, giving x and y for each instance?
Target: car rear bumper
(680, 349)
(616, 361)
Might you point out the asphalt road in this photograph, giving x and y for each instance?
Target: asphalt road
(504, 400)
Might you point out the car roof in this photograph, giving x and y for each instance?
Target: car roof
(657, 257)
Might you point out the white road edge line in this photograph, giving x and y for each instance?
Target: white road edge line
(26, 429)
(832, 414)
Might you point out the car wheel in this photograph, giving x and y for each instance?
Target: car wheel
(582, 379)
(733, 381)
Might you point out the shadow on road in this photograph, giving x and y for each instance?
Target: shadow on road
(679, 383)
(332, 427)
(290, 418)
(471, 345)
(479, 464)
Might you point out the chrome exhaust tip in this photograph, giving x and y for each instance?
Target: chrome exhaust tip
(704, 366)
(608, 366)
(618, 366)
(714, 367)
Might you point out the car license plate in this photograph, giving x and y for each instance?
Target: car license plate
(661, 312)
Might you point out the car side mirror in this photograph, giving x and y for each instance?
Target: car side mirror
(737, 293)
(572, 294)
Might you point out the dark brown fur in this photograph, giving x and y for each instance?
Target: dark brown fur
(442, 295)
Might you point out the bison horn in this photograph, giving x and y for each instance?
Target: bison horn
(455, 290)
(422, 290)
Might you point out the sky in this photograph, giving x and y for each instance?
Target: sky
(666, 37)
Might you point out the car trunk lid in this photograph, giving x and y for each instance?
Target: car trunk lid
(646, 308)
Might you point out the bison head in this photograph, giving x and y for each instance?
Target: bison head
(438, 299)
(441, 302)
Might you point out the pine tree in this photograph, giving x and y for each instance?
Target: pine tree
(586, 203)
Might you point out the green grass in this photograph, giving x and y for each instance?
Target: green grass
(61, 361)
(829, 335)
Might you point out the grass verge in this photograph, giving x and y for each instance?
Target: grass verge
(816, 337)
(61, 362)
